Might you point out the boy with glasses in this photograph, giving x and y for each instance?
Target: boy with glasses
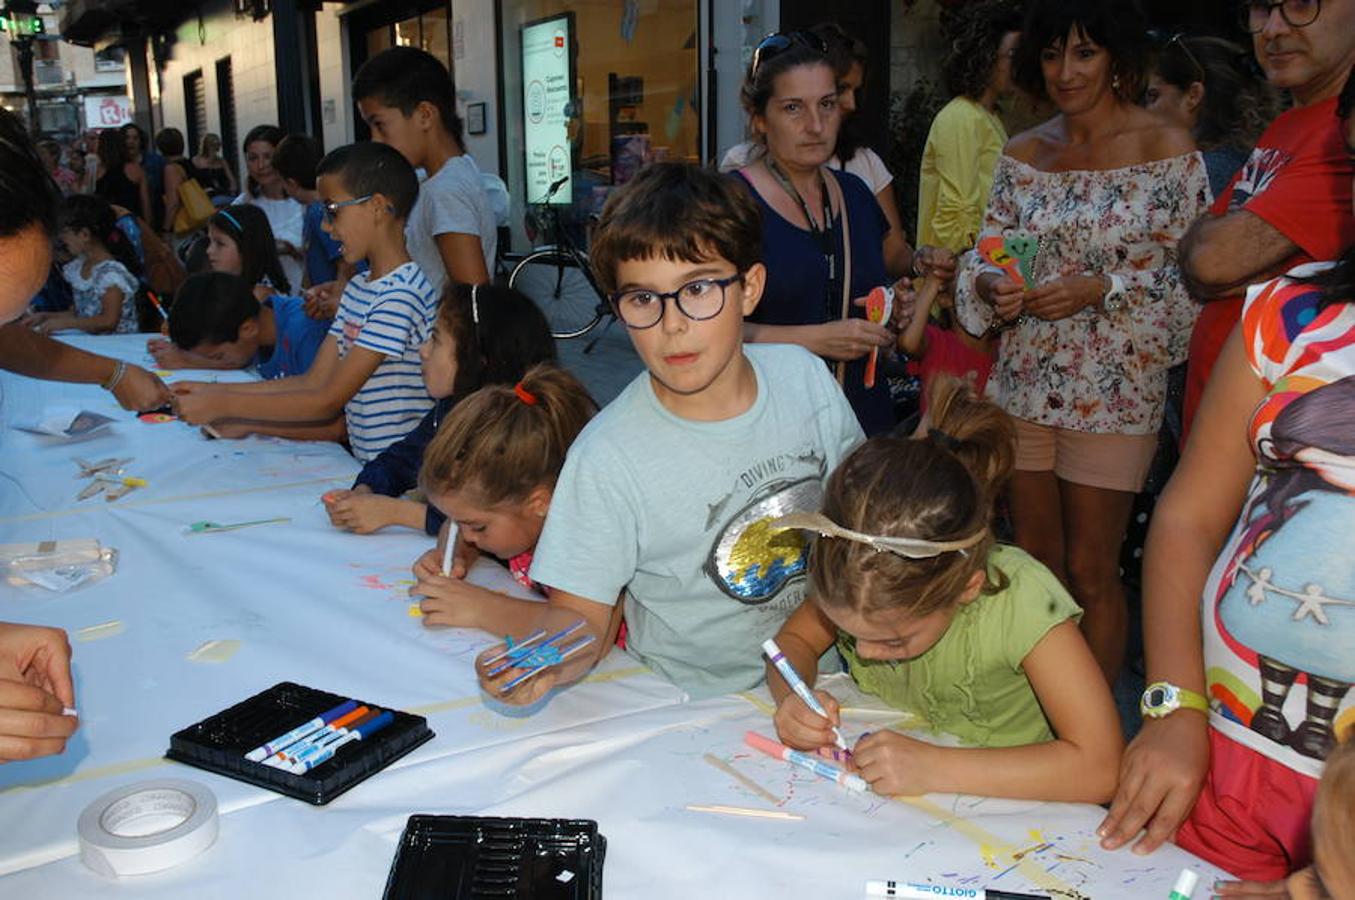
(665, 501)
(366, 374)
(1291, 202)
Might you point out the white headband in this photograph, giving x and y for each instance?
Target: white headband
(909, 548)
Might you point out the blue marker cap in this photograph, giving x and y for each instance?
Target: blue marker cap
(373, 725)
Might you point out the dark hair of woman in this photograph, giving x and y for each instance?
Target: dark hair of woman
(1116, 25)
(1238, 104)
(845, 51)
(976, 31)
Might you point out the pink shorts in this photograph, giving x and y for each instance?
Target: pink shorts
(1252, 818)
(1115, 462)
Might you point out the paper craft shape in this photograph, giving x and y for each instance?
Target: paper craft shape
(210, 527)
(1014, 254)
(157, 418)
(879, 307)
(67, 423)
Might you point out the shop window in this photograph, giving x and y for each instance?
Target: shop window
(634, 98)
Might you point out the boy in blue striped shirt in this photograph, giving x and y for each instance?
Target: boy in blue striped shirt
(365, 379)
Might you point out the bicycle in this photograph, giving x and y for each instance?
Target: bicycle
(557, 277)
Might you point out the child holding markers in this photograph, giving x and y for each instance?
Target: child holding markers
(482, 335)
(492, 469)
(664, 503)
(365, 380)
(977, 639)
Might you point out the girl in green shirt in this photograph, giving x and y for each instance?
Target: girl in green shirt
(977, 639)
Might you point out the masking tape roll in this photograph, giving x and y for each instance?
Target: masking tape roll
(147, 826)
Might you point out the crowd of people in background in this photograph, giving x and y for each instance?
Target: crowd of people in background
(1184, 226)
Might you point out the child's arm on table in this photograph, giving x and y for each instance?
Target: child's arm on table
(805, 637)
(171, 356)
(334, 430)
(454, 601)
(1088, 741)
(313, 400)
(322, 370)
(561, 610)
(102, 322)
(913, 339)
(362, 512)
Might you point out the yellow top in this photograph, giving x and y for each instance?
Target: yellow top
(963, 146)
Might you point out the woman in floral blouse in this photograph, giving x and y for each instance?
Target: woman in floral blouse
(1107, 190)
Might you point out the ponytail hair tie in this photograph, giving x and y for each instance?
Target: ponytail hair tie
(937, 436)
(524, 395)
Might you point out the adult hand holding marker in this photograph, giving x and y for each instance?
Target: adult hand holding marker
(37, 695)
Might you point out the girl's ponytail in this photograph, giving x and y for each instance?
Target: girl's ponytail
(94, 214)
(504, 441)
(979, 433)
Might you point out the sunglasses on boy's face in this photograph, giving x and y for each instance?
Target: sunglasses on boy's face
(1296, 13)
(774, 44)
(332, 207)
(701, 299)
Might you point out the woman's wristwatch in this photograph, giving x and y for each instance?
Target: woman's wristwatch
(1112, 297)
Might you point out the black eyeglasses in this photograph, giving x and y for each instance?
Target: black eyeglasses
(699, 300)
(332, 207)
(775, 44)
(1178, 40)
(1296, 13)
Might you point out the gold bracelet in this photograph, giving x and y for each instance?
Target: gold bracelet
(119, 370)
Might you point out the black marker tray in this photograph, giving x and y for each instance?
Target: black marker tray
(219, 743)
(484, 858)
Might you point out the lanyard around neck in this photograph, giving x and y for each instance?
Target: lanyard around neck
(822, 235)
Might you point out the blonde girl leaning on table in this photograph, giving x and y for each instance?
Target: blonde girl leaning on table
(1108, 189)
(492, 470)
(976, 639)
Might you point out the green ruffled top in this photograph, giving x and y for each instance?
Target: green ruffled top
(971, 683)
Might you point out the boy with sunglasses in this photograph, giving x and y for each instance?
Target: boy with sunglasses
(366, 375)
(664, 504)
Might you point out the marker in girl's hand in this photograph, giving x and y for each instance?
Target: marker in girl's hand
(797, 684)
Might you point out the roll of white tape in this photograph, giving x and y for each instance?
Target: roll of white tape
(147, 826)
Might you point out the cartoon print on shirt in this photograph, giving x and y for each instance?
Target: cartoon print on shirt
(1284, 600)
(748, 560)
(1261, 168)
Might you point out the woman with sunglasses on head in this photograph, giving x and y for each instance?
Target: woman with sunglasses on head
(848, 57)
(1207, 86)
(818, 224)
(1107, 189)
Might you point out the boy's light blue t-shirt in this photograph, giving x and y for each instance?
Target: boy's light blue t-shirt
(676, 513)
(451, 201)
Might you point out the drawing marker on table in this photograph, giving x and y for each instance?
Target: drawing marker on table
(317, 745)
(358, 733)
(797, 684)
(806, 761)
(284, 757)
(1185, 885)
(262, 752)
(213, 527)
(928, 890)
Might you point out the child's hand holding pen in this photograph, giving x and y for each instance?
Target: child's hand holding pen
(430, 563)
(800, 728)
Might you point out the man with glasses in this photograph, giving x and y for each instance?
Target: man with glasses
(1291, 202)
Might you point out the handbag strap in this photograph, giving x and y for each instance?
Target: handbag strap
(835, 191)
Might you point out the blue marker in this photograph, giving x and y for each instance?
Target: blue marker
(516, 655)
(365, 730)
(797, 684)
(259, 754)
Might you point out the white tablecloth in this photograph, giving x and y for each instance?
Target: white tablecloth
(328, 609)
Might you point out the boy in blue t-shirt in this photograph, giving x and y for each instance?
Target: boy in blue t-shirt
(665, 500)
(296, 159)
(218, 323)
(365, 380)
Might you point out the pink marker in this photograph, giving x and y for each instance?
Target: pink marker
(805, 761)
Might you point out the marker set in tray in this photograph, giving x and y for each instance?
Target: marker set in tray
(298, 741)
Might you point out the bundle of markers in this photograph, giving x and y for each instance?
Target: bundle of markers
(312, 743)
(535, 653)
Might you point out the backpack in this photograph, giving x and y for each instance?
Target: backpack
(195, 206)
